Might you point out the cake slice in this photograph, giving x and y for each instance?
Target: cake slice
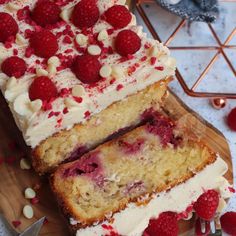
(72, 77)
(123, 184)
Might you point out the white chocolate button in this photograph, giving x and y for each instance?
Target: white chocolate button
(28, 212)
(66, 14)
(78, 91)
(24, 164)
(103, 35)
(54, 61)
(82, 40)
(36, 105)
(41, 72)
(51, 69)
(21, 105)
(69, 103)
(13, 7)
(30, 193)
(117, 71)
(153, 51)
(94, 50)
(20, 40)
(11, 83)
(105, 71)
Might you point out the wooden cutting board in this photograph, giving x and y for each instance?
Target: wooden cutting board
(14, 180)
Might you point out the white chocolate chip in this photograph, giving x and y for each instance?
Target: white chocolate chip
(30, 193)
(21, 105)
(117, 71)
(82, 40)
(11, 83)
(105, 71)
(20, 40)
(51, 69)
(24, 164)
(41, 72)
(94, 50)
(78, 91)
(69, 103)
(153, 51)
(35, 105)
(28, 212)
(13, 7)
(54, 61)
(121, 2)
(103, 35)
(66, 14)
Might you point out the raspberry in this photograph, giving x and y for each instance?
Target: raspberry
(206, 205)
(14, 66)
(46, 13)
(198, 228)
(228, 222)
(85, 14)
(8, 27)
(165, 225)
(42, 88)
(44, 43)
(127, 42)
(86, 68)
(118, 16)
(231, 119)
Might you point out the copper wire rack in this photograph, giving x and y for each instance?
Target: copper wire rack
(219, 48)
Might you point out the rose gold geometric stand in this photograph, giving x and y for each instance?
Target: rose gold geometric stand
(219, 48)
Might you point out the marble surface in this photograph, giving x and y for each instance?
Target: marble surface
(192, 62)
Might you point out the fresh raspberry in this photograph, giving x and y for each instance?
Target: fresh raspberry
(44, 43)
(165, 225)
(46, 13)
(206, 205)
(14, 66)
(127, 42)
(118, 16)
(42, 88)
(8, 27)
(228, 222)
(86, 68)
(231, 119)
(198, 230)
(85, 14)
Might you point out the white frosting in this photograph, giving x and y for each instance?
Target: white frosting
(133, 220)
(36, 125)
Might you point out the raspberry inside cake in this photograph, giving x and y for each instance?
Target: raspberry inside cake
(124, 183)
(68, 66)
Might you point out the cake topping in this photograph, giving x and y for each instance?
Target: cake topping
(81, 39)
(166, 225)
(14, 66)
(105, 71)
(206, 205)
(42, 88)
(85, 14)
(127, 42)
(94, 50)
(44, 43)
(228, 223)
(46, 12)
(8, 27)
(30, 193)
(118, 16)
(28, 212)
(86, 69)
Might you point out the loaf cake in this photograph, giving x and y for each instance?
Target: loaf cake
(124, 185)
(76, 72)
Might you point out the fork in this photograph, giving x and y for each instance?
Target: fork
(7, 230)
(212, 227)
